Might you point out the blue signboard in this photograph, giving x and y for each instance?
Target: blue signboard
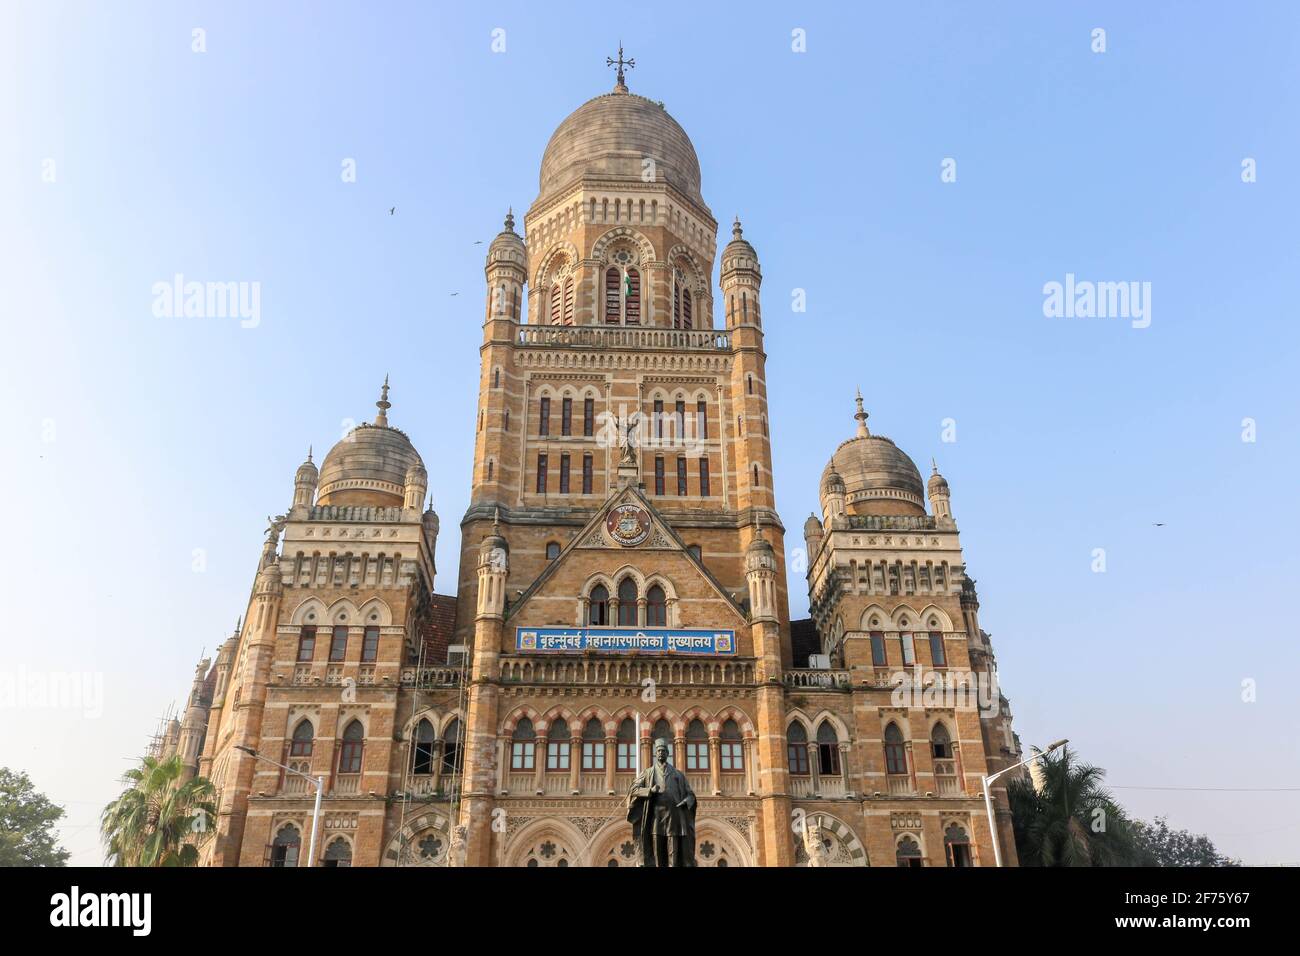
(616, 640)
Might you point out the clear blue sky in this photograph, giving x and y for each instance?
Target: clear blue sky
(134, 440)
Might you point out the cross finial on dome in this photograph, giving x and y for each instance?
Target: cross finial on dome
(383, 405)
(861, 416)
(620, 86)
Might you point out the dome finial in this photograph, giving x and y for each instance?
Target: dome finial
(861, 416)
(309, 452)
(510, 219)
(934, 466)
(620, 86)
(496, 520)
(383, 405)
(736, 230)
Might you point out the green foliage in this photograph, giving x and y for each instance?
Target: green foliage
(161, 819)
(1071, 820)
(26, 822)
(1159, 845)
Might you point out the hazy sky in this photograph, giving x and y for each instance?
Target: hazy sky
(144, 452)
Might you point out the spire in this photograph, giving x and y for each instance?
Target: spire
(736, 231)
(934, 466)
(621, 85)
(861, 416)
(496, 520)
(383, 405)
(510, 219)
(309, 452)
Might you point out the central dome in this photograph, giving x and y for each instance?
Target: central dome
(609, 137)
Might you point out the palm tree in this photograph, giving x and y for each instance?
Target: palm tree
(1070, 819)
(161, 818)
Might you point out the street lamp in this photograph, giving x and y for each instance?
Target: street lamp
(988, 799)
(317, 782)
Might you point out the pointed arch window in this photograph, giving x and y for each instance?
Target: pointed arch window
(940, 743)
(557, 304)
(422, 751)
(593, 745)
(908, 853)
(656, 607)
(731, 748)
(613, 296)
(697, 746)
(627, 745)
(284, 849)
(627, 603)
(307, 643)
(828, 750)
(796, 746)
(557, 745)
(523, 743)
(353, 747)
(338, 854)
(598, 606)
(895, 750)
(304, 737)
(451, 747)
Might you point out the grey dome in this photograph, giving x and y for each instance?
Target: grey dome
(609, 136)
(874, 468)
(369, 466)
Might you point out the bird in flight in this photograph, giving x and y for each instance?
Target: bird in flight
(455, 293)
(393, 210)
(478, 242)
(1158, 524)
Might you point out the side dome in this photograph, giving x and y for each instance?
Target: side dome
(370, 465)
(878, 477)
(608, 137)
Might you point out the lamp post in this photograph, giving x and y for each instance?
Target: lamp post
(988, 798)
(317, 782)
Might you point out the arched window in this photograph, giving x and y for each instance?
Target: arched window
(627, 603)
(908, 852)
(303, 738)
(627, 744)
(307, 643)
(496, 378)
(686, 309)
(613, 296)
(557, 303)
(895, 752)
(593, 745)
(552, 550)
(422, 751)
(697, 746)
(956, 844)
(451, 747)
(568, 301)
(656, 608)
(828, 750)
(731, 749)
(338, 853)
(522, 744)
(557, 746)
(940, 743)
(755, 481)
(665, 730)
(796, 739)
(283, 851)
(599, 606)
(353, 744)
(632, 286)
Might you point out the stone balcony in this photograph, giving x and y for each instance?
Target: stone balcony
(622, 337)
(626, 671)
(817, 678)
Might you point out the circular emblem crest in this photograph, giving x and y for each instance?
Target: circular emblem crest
(629, 525)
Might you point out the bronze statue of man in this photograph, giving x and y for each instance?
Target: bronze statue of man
(661, 809)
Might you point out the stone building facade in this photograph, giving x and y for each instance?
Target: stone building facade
(623, 577)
